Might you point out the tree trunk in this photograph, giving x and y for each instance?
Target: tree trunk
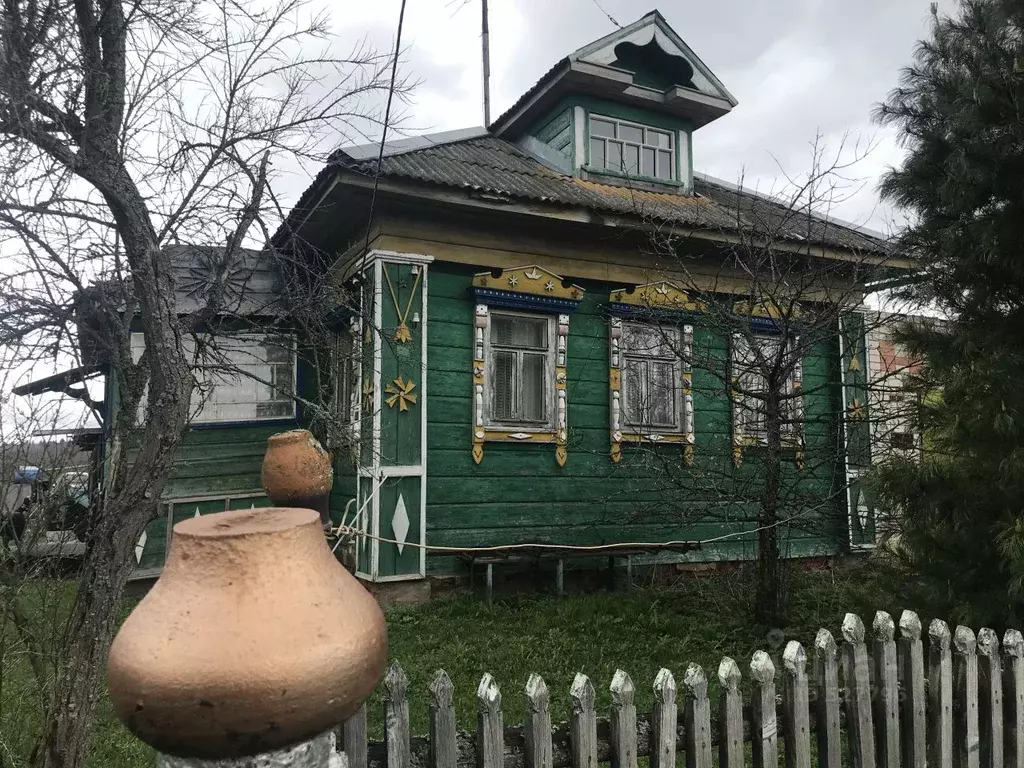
(769, 599)
(132, 498)
(90, 631)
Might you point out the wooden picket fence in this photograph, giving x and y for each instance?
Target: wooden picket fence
(968, 712)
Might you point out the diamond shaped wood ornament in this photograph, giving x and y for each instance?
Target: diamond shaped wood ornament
(400, 523)
(140, 548)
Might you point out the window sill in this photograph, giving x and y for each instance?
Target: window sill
(619, 179)
(275, 422)
(519, 434)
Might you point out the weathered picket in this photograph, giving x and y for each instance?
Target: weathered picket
(875, 694)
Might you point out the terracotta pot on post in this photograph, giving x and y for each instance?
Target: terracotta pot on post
(297, 472)
(254, 639)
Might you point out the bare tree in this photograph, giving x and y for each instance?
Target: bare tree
(773, 305)
(126, 127)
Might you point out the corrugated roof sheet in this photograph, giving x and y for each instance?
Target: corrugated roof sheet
(491, 165)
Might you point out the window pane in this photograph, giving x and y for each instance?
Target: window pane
(648, 162)
(663, 394)
(521, 332)
(533, 387)
(631, 161)
(600, 127)
(659, 139)
(633, 388)
(597, 153)
(664, 165)
(278, 351)
(284, 384)
(650, 340)
(614, 156)
(631, 133)
(503, 385)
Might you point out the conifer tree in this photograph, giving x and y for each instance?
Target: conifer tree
(959, 110)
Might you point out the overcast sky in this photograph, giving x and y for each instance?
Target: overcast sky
(797, 67)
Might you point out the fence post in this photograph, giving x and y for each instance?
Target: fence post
(887, 692)
(697, 717)
(965, 711)
(396, 717)
(583, 723)
(911, 673)
(1013, 699)
(663, 721)
(730, 716)
(990, 707)
(490, 730)
(537, 725)
(826, 672)
(444, 748)
(940, 696)
(623, 721)
(353, 734)
(797, 730)
(764, 728)
(857, 678)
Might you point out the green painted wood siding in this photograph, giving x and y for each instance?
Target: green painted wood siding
(519, 494)
(557, 132)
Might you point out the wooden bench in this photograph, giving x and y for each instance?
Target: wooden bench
(534, 555)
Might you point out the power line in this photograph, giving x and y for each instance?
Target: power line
(387, 118)
(602, 10)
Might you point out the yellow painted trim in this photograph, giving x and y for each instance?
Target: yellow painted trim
(763, 308)
(506, 436)
(531, 279)
(661, 295)
(635, 437)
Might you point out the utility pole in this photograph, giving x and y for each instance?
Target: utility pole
(487, 66)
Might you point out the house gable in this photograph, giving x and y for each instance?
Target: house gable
(645, 65)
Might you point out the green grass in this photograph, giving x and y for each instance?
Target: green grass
(699, 620)
(641, 631)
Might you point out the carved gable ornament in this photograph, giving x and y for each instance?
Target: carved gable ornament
(530, 287)
(661, 295)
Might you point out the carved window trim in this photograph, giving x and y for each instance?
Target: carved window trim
(794, 440)
(657, 303)
(529, 289)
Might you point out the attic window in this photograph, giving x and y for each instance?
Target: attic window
(638, 150)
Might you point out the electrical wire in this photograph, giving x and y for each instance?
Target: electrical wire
(387, 118)
(602, 10)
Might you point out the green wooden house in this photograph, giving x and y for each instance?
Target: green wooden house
(503, 384)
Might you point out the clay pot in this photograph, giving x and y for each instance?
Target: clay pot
(254, 638)
(297, 472)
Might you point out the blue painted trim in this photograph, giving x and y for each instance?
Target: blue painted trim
(768, 325)
(632, 311)
(528, 301)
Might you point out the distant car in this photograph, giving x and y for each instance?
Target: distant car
(53, 513)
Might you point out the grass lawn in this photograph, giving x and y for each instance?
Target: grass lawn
(700, 620)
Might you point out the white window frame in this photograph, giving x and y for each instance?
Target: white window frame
(790, 432)
(196, 417)
(548, 424)
(673, 337)
(672, 149)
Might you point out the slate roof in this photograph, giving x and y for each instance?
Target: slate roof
(486, 164)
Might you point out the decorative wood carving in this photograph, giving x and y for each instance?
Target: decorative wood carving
(534, 289)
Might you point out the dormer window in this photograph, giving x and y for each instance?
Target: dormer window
(631, 148)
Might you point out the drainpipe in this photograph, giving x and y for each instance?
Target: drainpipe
(254, 644)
